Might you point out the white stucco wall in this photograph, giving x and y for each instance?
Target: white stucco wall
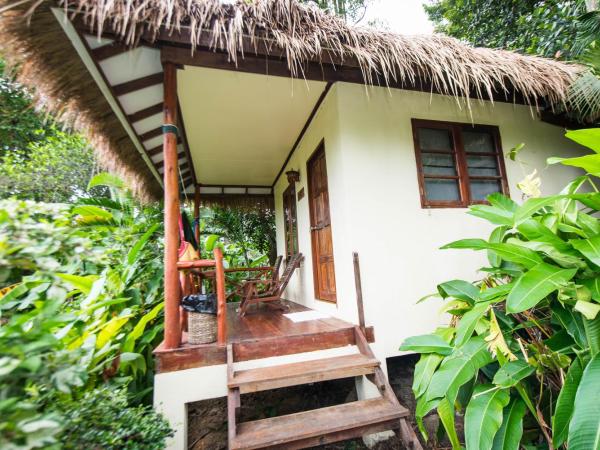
(375, 203)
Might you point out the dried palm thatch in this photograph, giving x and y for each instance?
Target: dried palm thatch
(46, 63)
(302, 32)
(239, 201)
(307, 33)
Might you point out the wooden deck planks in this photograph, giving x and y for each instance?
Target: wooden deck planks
(260, 334)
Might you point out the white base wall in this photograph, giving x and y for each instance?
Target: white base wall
(172, 390)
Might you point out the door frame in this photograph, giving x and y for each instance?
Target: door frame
(320, 147)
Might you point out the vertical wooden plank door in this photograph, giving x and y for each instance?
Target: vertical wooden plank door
(320, 227)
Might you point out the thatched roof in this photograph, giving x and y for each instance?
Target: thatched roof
(302, 32)
(48, 64)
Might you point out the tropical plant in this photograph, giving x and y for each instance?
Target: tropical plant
(55, 169)
(103, 419)
(521, 356)
(20, 124)
(540, 27)
(248, 235)
(584, 95)
(80, 304)
(101, 256)
(39, 160)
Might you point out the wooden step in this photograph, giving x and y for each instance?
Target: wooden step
(320, 426)
(293, 374)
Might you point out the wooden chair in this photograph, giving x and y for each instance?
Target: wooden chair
(267, 279)
(271, 293)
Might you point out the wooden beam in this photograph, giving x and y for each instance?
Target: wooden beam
(171, 208)
(311, 70)
(561, 120)
(145, 113)
(118, 103)
(242, 186)
(186, 146)
(137, 84)
(109, 50)
(263, 56)
(263, 65)
(151, 134)
(304, 129)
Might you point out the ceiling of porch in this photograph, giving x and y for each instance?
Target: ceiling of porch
(240, 127)
(236, 128)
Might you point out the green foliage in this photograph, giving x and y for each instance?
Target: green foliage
(56, 169)
(103, 419)
(538, 27)
(38, 160)
(352, 10)
(524, 343)
(20, 124)
(249, 235)
(81, 303)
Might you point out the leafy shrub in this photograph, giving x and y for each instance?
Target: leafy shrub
(34, 366)
(80, 304)
(102, 419)
(248, 235)
(521, 357)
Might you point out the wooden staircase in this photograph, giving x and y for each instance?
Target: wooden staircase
(319, 426)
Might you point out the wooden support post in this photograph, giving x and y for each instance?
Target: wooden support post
(197, 215)
(221, 306)
(359, 296)
(171, 186)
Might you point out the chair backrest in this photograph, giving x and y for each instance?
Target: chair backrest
(276, 267)
(292, 264)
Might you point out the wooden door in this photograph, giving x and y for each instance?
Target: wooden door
(320, 227)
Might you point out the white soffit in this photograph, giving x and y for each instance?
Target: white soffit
(94, 42)
(240, 127)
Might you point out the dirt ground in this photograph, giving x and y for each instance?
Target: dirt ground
(207, 420)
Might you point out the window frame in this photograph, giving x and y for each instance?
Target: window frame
(460, 155)
(289, 194)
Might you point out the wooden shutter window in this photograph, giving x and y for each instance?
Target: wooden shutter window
(458, 164)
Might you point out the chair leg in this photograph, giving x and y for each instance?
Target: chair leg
(249, 292)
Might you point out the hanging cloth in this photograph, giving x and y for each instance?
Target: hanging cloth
(187, 250)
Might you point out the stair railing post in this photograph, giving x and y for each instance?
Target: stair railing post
(221, 305)
(359, 296)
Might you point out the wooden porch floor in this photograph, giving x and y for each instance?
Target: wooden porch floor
(262, 333)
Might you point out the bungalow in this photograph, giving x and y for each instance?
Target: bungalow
(368, 145)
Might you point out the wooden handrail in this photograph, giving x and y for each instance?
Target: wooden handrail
(196, 264)
(211, 273)
(221, 297)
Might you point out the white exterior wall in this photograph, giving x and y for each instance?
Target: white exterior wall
(376, 210)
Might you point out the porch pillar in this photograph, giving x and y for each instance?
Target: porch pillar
(172, 288)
